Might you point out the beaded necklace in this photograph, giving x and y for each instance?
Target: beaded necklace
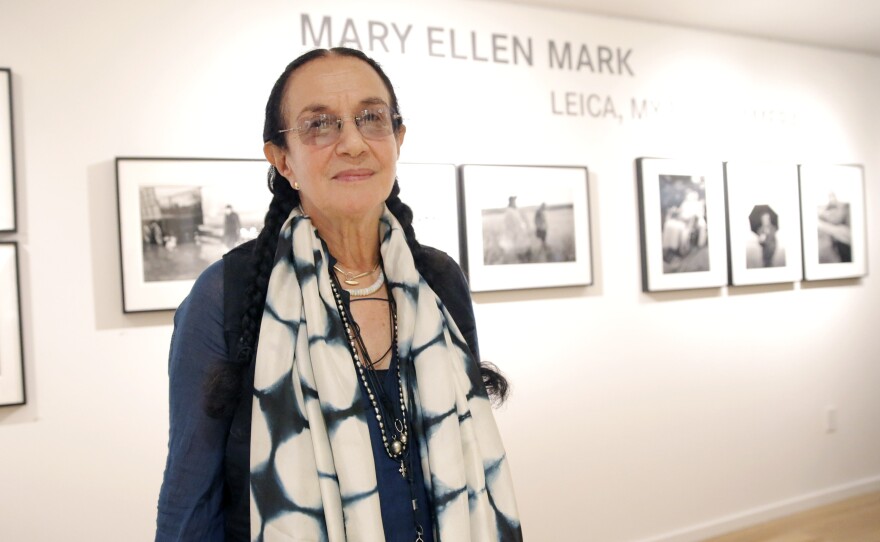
(398, 448)
(369, 290)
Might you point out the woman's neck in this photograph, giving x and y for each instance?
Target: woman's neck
(353, 241)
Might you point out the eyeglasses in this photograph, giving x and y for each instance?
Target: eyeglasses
(324, 128)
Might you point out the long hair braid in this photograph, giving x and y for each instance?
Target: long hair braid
(223, 389)
(404, 215)
(284, 200)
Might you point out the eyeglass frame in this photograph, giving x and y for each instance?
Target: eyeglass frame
(396, 123)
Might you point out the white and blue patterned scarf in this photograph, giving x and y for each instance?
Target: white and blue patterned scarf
(312, 471)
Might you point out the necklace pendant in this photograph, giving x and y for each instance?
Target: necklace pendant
(402, 469)
(396, 447)
(351, 282)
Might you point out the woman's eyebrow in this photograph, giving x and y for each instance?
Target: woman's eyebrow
(373, 101)
(314, 108)
(323, 108)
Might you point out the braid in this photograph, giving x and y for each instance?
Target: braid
(224, 386)
(283, 202)
(404, 215)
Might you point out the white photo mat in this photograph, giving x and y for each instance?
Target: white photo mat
(243, 181)
(845, 185)
(7, 169)
(562, 258)
(431, 191)
(753, 190)
(714, 252)
(11, 360)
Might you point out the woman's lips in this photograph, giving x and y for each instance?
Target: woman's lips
(351, 175)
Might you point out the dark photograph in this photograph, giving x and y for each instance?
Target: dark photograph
(763, 241)
(685, 234)
(535, 233)
(835, 233)
(186, 228)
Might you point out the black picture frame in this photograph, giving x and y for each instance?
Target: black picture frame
(175, 220)
(12, 385)
(526, 227)
(834, 221)
(8, 216)
(763, 222)
(683, 224)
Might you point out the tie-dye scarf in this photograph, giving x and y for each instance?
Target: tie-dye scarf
(312, 471)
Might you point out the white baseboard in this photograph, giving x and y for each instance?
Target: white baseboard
(761, 514)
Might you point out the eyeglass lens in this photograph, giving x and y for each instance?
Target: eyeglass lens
(325, 128)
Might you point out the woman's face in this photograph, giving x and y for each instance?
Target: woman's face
(352, 176)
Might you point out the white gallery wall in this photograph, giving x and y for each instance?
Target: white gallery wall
(634, 416)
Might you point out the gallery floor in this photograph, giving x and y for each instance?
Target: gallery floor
(853, 520)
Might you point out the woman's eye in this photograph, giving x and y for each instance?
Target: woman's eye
(321, 123)
(372, 117)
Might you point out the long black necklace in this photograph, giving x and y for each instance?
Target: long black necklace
(398, 448)
(395, 446)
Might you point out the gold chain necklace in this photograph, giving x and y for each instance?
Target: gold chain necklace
(351, 278)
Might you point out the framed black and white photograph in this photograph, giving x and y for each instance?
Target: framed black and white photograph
(177, 216)
(526, 226)
(834, 231)
(683, 227)
(11, 358)
(431, 191)
(764, 223)
(7, 161)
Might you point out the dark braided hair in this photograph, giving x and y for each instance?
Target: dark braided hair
(224, 386)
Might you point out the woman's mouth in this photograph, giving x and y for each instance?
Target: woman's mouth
(353, 175)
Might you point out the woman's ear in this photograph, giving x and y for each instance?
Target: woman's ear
(399, 137)
(278, 158)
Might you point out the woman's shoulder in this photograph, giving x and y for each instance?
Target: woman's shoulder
(242, 252)
(446, 278)
(435, 260)
(215, 297)
(198, 321)
(237, 267)
(442, 273)
(207, 291)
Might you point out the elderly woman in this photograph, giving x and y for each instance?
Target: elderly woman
(325, 381)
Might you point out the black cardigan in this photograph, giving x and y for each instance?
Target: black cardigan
(442, 274)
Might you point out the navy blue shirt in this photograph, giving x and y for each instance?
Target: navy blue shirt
(190, 502)
(191, 498)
